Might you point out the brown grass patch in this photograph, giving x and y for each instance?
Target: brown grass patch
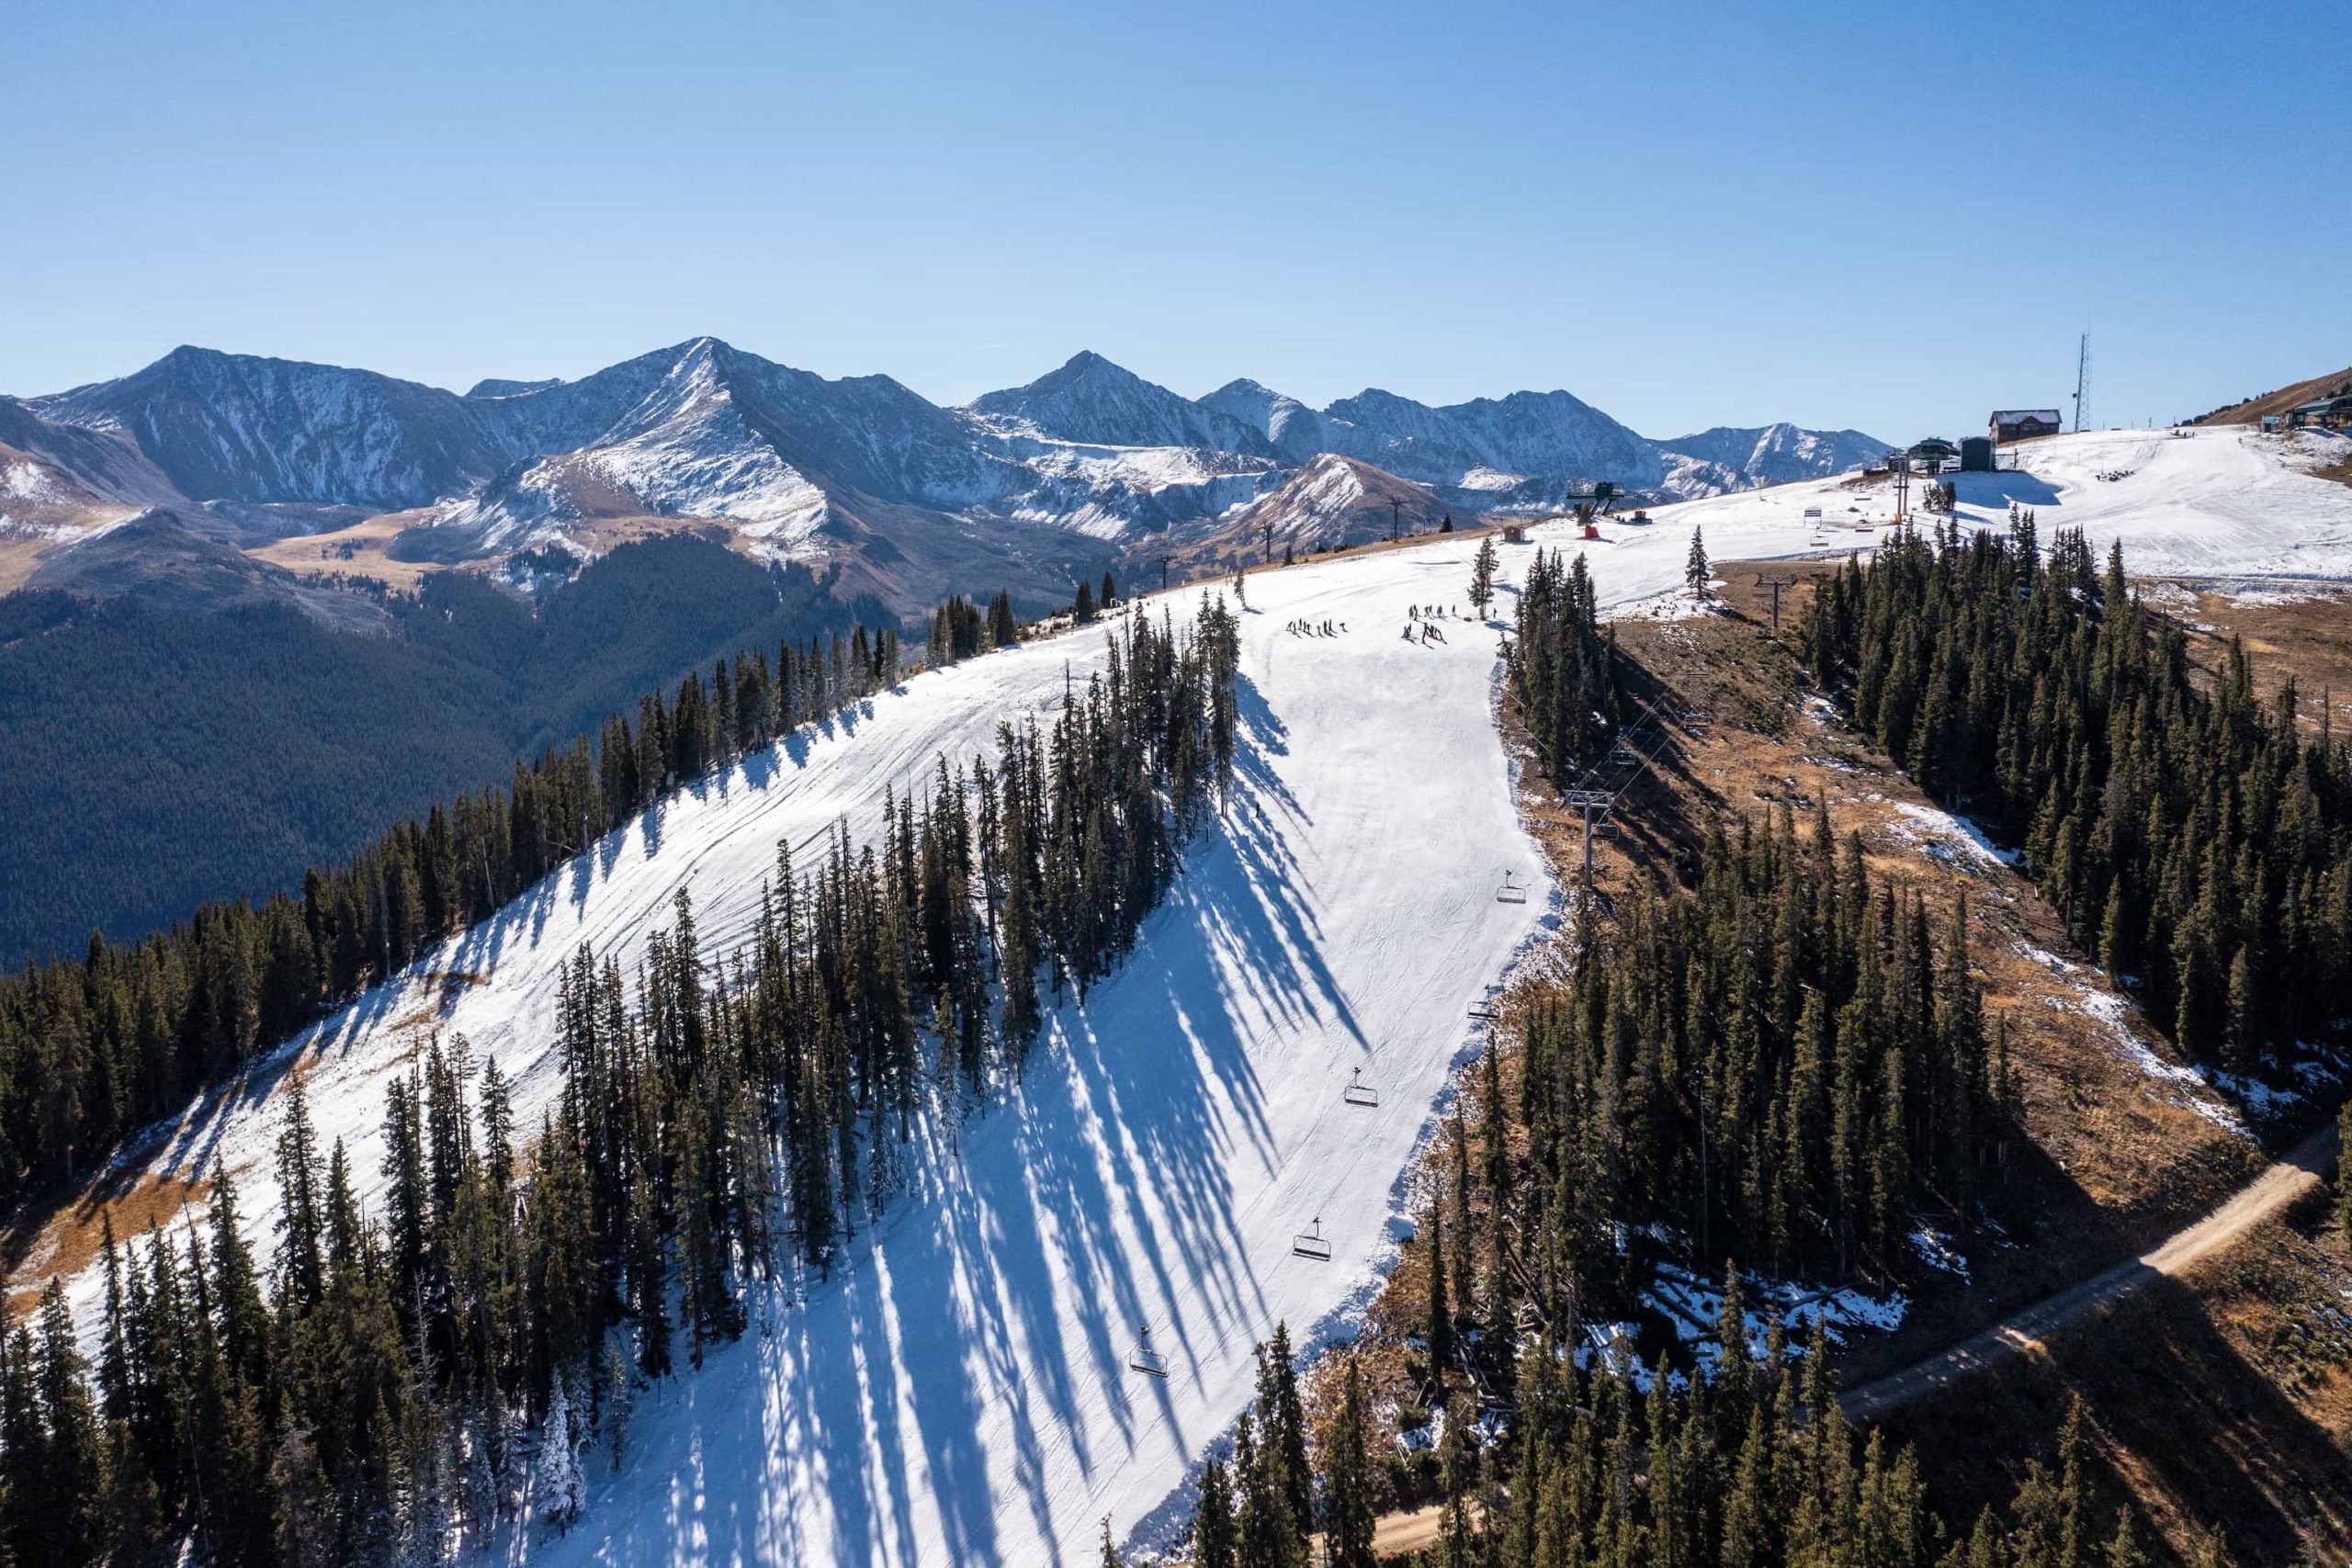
(2307, 639)
(73, 1237)
(2220, 1402)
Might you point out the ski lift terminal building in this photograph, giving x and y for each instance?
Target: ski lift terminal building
(2023, 425)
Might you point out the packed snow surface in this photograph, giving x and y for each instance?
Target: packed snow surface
(959, 1390)
(2224, 502)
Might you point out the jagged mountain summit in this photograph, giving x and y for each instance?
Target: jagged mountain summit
(1089, 466)
(1778, 454)
(1092, 401)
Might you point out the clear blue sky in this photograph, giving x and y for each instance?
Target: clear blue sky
(1892, 216)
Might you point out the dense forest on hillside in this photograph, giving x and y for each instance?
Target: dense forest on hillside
(160, 755)
(1753, 1466)
(95, 1046)
(1562, 666)
(399, 1379)
(2198, 842)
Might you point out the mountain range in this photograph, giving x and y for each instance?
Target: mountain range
(1087, 467)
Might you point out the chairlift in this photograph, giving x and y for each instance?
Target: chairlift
(1311, 1243)
(1146, 1360)
(1359, 1092)
(1510, 892)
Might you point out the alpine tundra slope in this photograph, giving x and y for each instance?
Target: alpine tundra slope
(960, 1389)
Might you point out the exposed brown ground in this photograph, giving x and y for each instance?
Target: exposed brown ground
(359, 551)
(2252, 411)
(2220, 1401)
(2307, 637)
(355, 551)
(72, 1238)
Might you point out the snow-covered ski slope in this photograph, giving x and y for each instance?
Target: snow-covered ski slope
(960, 1393)
(2223, 501)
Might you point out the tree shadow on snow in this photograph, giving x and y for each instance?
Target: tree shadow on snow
(990, 1314)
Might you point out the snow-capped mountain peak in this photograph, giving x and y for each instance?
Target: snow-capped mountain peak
(1088, 398)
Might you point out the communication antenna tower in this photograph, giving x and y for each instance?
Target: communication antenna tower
(2082, 379)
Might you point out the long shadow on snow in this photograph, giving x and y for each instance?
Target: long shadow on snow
(1109, 1166)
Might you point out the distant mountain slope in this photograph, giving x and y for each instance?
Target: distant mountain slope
(1777, 453)
(1030, 488)
(1091, 400)
(238, 427)
(1296, 431)
(2253, 410)
(1331, 501)
(156, 558)
(182, 723)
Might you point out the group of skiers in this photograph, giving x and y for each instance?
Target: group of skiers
(1316, 628)
(1420, 622)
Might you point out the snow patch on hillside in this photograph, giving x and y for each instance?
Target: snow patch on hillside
(2181, 1084)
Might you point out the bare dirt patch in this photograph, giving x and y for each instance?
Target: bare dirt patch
(2220, 1403)
(72, 1238)
(2288, 630)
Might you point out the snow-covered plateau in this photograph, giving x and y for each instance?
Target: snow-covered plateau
(959, 1392)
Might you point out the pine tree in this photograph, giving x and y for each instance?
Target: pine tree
(560, 1490)
(1214, 1537)
(1347, 1499)
(1696, 573)
(1437, 1318)
(1458, 1472)
(2344, 1172)
(1482, 575)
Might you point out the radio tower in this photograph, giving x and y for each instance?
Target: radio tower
(2081, 380)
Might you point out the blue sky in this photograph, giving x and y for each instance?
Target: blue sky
(1892, 217)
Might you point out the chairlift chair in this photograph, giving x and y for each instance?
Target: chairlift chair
(1311, 1243)
(1146, 1360)
(1359, 1092)
(1510, 892)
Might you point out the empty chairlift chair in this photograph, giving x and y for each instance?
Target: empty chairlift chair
(1510, 892)
(1146, 1360)
(1311, 1243)
(1359, 1092)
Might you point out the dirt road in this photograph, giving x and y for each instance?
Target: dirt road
(2297, 1172)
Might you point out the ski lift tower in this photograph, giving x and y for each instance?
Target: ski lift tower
(1596, 503)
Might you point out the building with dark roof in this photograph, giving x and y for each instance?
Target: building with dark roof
(2321, 414)
(2020, 424)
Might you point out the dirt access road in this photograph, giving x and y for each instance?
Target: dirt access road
(2295, 1173)
(2280, 1185)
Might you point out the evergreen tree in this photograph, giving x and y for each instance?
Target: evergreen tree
(1438, 1317)
(560, 1490)
(1214, 1534)
(1696, 572)
(2344, 1172)
(1482, 575)
(1346, 1501)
